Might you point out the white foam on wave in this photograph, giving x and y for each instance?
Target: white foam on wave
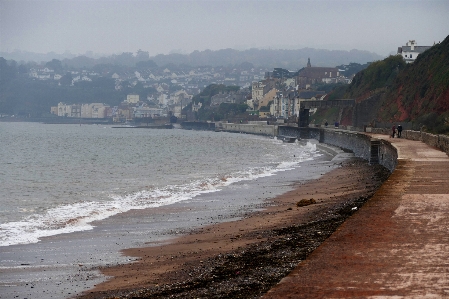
(310, 146)
(79, 216)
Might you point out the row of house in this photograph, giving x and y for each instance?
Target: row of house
(281, 93)
(286, 102)
(131, 108)
(276, 93)
(92, 110)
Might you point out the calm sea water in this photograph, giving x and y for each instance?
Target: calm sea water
(65, 191)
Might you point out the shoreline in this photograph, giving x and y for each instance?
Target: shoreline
(244, 258)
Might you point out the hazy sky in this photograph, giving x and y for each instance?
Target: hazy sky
(108, 26)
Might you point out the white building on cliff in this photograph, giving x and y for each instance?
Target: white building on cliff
(411, 50)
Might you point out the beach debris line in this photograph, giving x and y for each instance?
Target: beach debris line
(305, 202)
(250, 271)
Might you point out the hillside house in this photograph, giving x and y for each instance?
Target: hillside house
(313, 75)
(269, 96)
(220, 98)
(411, 51)
(196, 106)
(180, 97)
(132, 98)
(280, 106)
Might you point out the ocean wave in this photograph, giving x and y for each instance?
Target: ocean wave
(80, 216)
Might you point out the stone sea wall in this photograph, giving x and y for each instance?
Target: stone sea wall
(258, 129)
(358, 143)
(200, 126)
(440, 142)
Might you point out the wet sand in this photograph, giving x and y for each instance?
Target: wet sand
(246, 257)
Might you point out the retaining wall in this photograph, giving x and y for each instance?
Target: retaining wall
(201, 126)
(258, 129)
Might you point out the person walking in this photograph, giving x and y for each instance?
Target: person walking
(393, 131)
(399, 131)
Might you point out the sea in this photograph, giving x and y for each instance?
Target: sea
(73, 196)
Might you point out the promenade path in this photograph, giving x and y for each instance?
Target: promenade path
(395, 246)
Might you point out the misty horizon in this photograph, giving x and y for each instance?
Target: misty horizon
(164, 27)
(91, 54)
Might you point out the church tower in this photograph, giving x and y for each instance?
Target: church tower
(308, 63)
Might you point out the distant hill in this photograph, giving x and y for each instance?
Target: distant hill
(391, 91)
(288, 59)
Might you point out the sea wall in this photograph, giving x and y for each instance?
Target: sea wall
(358, 143)
(362, 145)
(259, 129)
(440, 142)
(200, 126)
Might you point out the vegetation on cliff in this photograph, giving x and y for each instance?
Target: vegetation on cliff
(379, 76)
(421, 92)
(416, 93)
(224, 110)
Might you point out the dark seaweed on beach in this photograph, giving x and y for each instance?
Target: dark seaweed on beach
(251, 271)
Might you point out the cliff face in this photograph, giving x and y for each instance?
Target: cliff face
(421, 90)
(376, 78)
(416, 93)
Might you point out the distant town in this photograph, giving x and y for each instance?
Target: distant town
(174, 92)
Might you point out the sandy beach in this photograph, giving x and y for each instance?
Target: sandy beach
(245, 258)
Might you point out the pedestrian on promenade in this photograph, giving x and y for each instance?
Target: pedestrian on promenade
(393, 131)
(399, 131)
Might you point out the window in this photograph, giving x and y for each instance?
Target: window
(410, 55)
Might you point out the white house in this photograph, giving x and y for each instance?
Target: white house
(145, 111)
(280, 106)
(132, 98)
(257, 91)
(411, 51)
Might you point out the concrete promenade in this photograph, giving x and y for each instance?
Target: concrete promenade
(395, 246)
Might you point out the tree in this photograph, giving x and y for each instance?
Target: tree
(66, 79)
(246, 65)
(23, 69)
(146, 64)
(126, 58)
(8, 70)
(142, 55)
(55, 65)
